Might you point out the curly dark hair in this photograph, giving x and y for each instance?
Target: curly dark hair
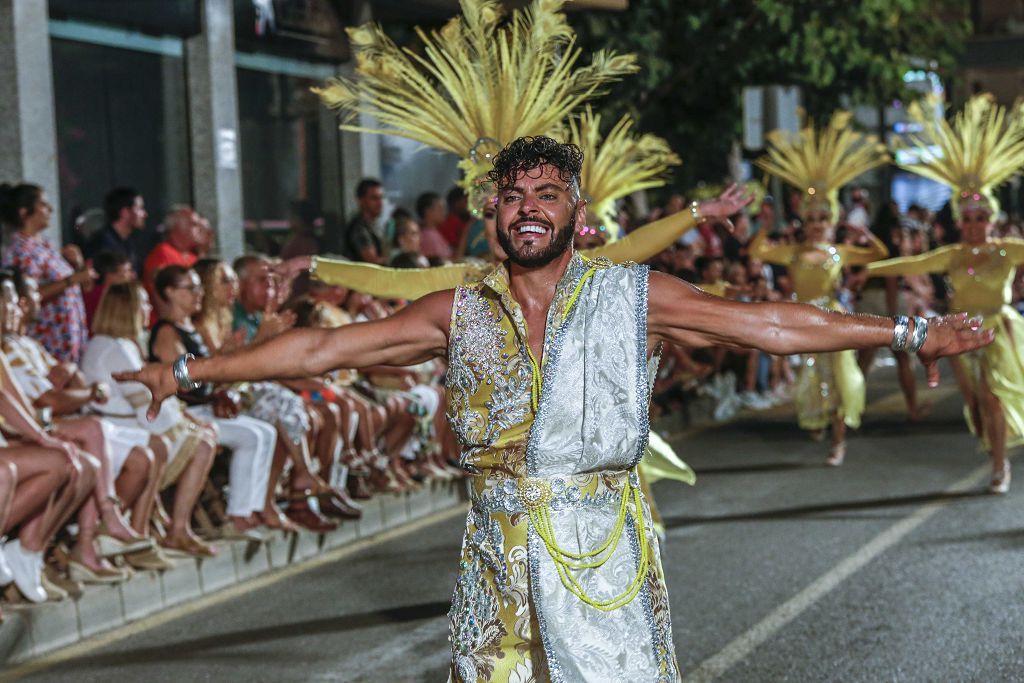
(528, 153)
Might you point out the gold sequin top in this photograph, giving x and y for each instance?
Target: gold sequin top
(816, 268)
(980, 275)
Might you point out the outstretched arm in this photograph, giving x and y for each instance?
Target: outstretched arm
(861, 256)
(761, 248)
(681, 314)
(416, 333)
(654, 238)
(936, 261)
(388, 283)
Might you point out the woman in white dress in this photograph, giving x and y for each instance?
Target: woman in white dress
(191, 444)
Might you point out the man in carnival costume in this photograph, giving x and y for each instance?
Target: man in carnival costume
(560, 577)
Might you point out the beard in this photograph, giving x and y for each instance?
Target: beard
(532, 257)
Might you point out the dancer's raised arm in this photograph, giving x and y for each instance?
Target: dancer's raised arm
(416, 333)
(682, 314)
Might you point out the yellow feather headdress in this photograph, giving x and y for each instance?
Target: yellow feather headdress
(481, 81)
(820, 162)
(981, 149)
(618, 164)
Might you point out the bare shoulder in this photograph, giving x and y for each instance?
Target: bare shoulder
(665, 288)
(435, 308)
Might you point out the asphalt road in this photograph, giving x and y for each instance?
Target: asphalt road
(894, 567)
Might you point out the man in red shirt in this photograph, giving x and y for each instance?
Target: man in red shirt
(454, 225)
(183, 233)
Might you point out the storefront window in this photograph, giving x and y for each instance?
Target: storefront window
(284, 148)
(121, 120)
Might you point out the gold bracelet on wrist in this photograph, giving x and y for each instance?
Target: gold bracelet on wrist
(695, 211)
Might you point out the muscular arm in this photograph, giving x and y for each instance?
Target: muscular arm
(416, 333)
(679, 313)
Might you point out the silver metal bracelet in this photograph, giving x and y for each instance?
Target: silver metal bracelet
(900, 332)
(920, 334)
(180, 370)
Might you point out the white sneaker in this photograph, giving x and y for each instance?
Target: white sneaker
(754, 401)
(27, 570)
(725, 409)
(5, 570)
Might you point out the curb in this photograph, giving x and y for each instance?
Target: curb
(29, 631)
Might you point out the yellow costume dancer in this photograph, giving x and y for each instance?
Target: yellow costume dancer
(982, 148)
(830, 389)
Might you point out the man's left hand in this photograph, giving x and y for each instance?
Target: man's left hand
(951, 335)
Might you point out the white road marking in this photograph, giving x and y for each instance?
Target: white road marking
(740, 648)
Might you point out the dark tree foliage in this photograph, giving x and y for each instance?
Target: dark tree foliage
(696, 58)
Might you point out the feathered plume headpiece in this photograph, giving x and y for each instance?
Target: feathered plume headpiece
(982, 148)
(618, 164)
(820, 162)
(481, 81)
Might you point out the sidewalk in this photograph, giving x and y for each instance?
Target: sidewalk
(29, 631)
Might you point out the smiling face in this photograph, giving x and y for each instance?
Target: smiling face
(537, 215)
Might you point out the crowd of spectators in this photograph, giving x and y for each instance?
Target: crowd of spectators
(92, 490)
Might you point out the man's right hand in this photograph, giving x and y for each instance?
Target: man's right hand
(158, 378)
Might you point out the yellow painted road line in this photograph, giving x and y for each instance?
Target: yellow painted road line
(170, 614)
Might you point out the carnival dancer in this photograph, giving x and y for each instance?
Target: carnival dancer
(981, 149)
(830, 389)
(547, 390)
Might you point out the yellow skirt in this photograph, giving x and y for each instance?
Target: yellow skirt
(1001, 366)
(829, 384)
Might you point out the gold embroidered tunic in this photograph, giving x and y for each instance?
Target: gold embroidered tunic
(554, 482)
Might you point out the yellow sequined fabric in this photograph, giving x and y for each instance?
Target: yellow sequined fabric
(829, 383)
(981, 283)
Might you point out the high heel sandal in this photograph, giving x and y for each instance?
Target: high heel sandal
(836, 454)
(1000, 483)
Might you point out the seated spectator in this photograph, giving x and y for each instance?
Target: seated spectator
(58, 392)
(251, 441)
(406, 252)
(50, 480)
(431, 212)
(190, 443)
(254, 318)
(112, 267)
(125, 211)
(61, 324)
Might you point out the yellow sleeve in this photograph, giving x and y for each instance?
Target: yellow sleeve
(647, 240)
(714, 288)
(1014, 247)
(936, 261)
(779, 254)
(388, 283)
(862, 256)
